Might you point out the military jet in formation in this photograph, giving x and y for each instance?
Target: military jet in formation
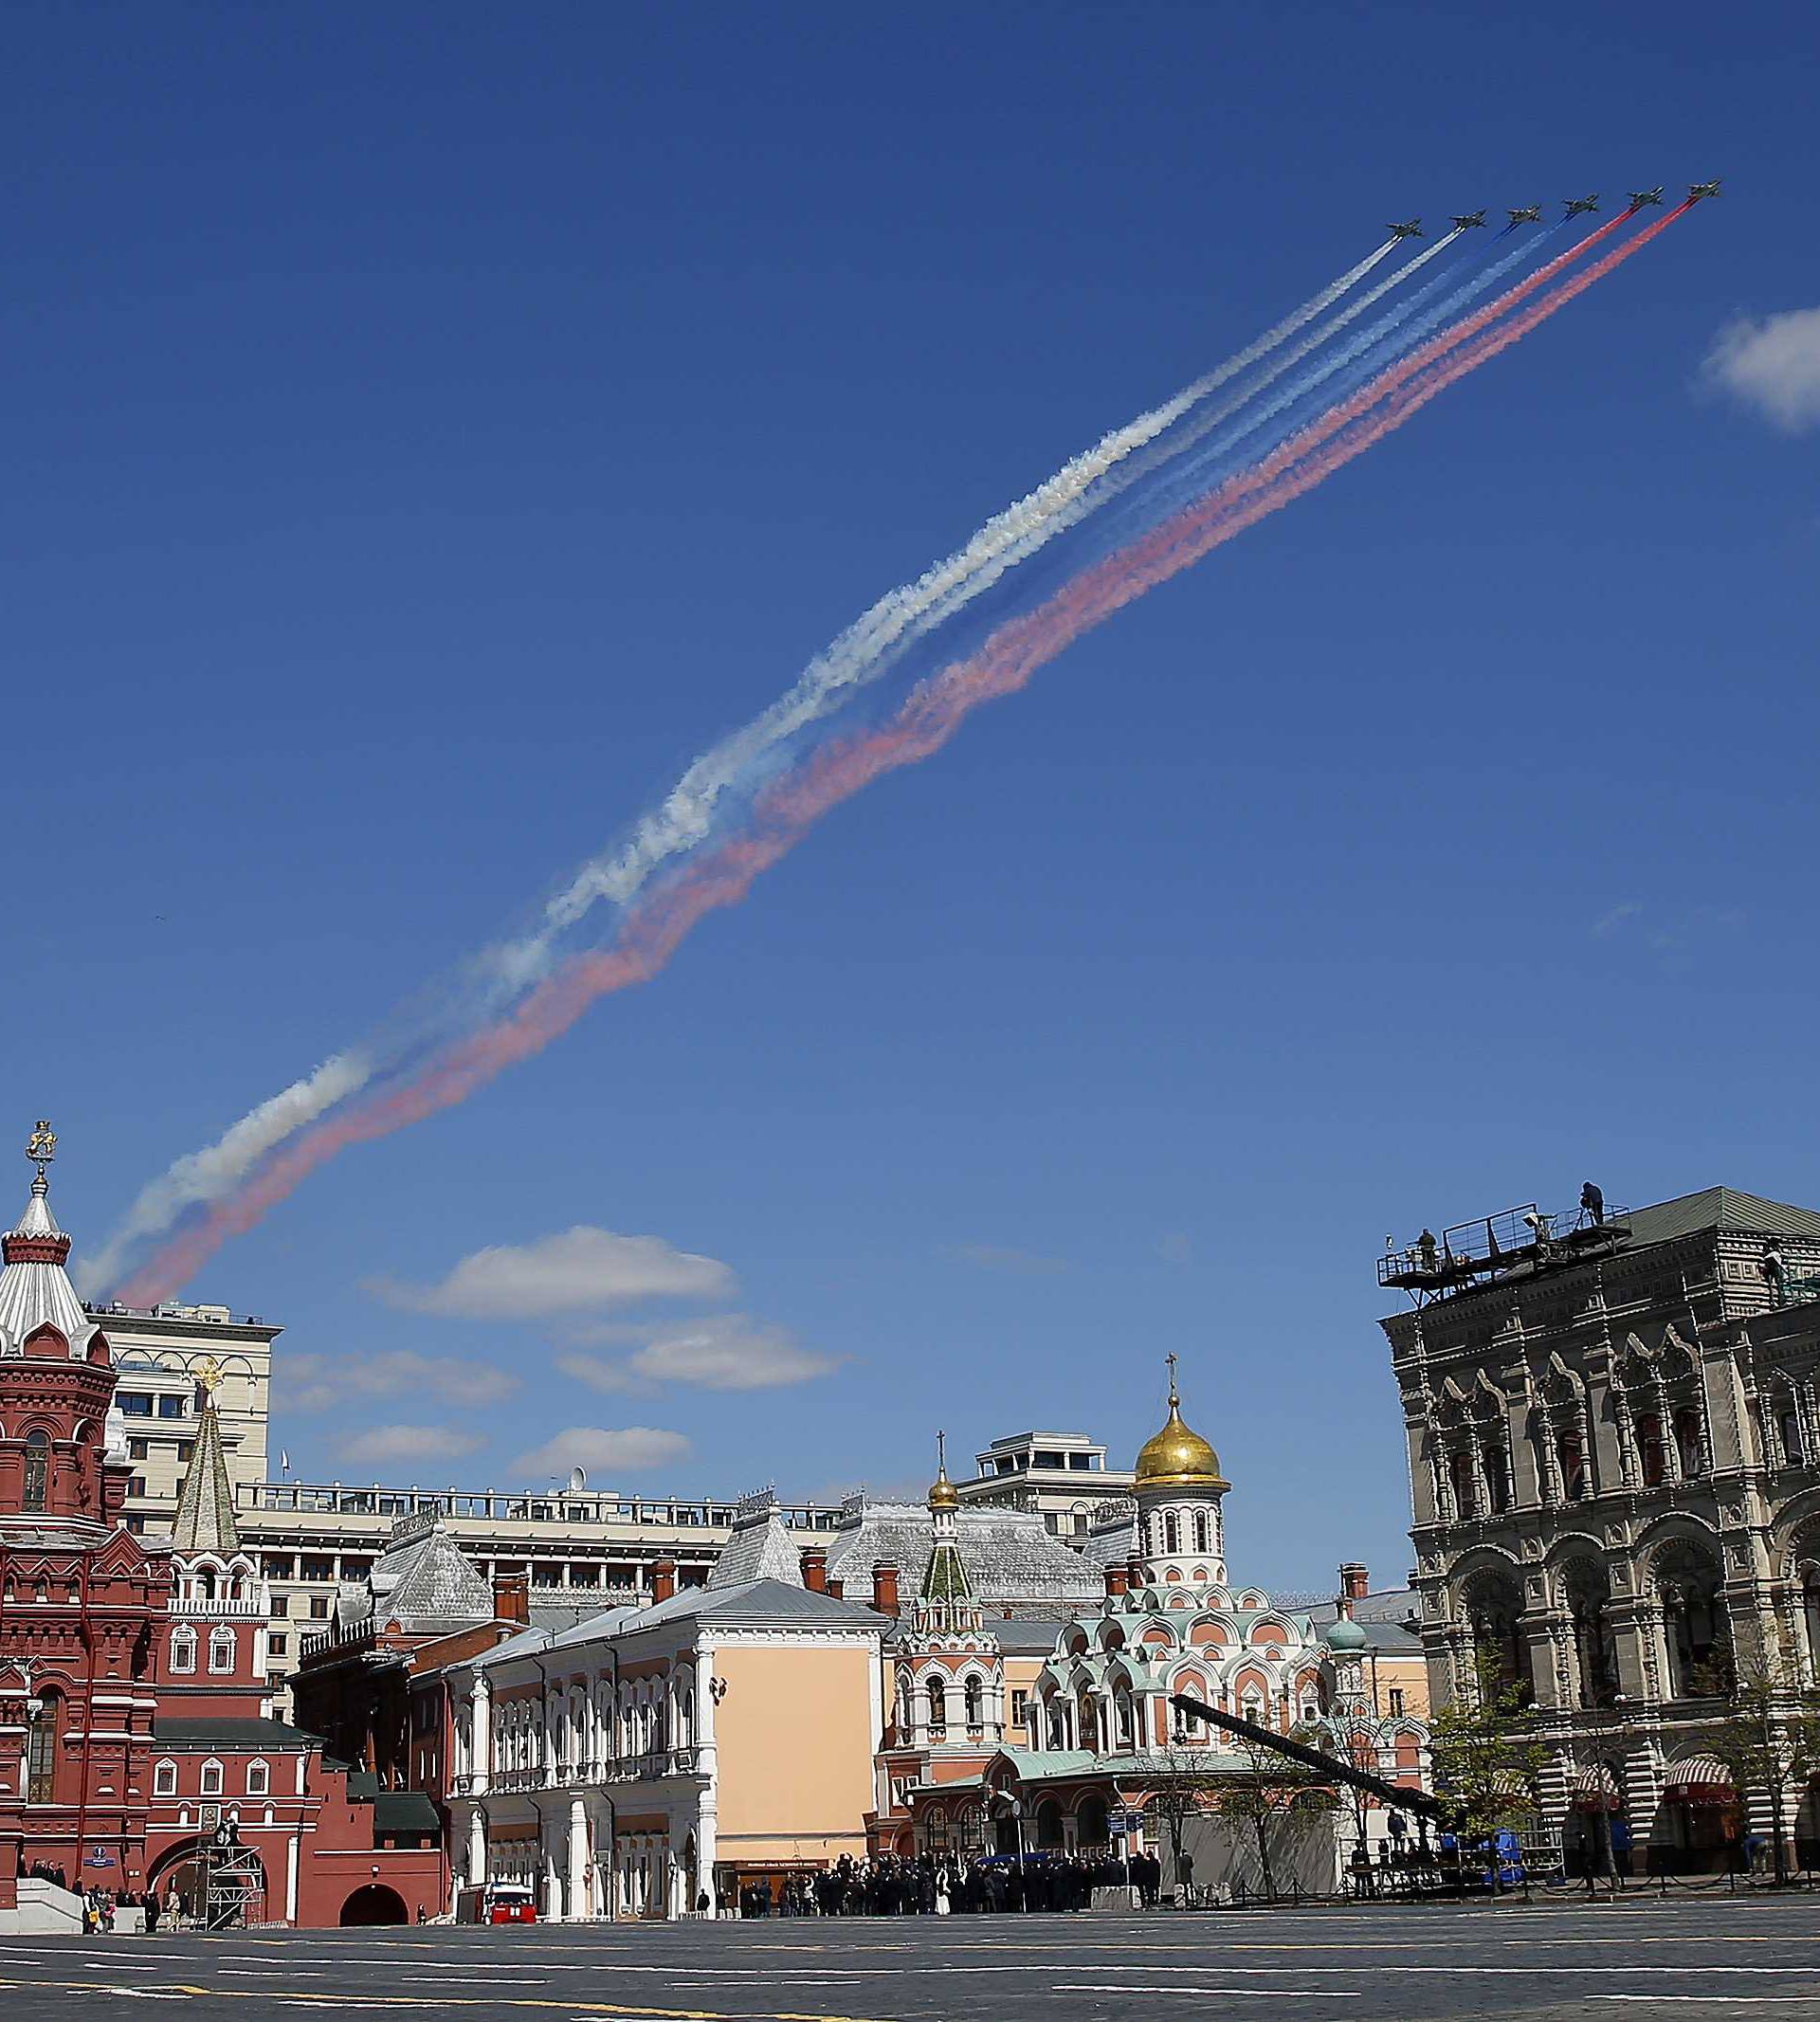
(1411, 230)
(1530, 214)
(1640, 197)
(1577, 204)
(1696, 191)
(1466, 222)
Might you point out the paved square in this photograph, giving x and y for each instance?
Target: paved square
(1719, 1956)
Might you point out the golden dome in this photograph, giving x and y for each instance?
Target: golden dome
(1178, 1457)
(943, 1492)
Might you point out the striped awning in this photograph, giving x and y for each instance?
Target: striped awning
(1597, 1780)
(1699, 1770)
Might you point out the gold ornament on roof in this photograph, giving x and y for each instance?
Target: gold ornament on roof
(1178, 1457)
(209, 1376)
(41, 1147)
(943, 1492)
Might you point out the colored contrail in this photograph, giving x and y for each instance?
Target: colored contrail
(869, 647)
(929, 717)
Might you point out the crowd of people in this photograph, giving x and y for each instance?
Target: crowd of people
(932, 1884)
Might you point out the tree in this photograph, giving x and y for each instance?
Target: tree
(1770, 1742)
(1179, 1793)
(1488, 1758)
(1271, 1786)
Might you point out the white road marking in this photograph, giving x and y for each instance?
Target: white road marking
(1260, 1994)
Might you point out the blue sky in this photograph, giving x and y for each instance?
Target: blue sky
(430, 425)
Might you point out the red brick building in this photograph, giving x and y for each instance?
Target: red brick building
(135, 1707)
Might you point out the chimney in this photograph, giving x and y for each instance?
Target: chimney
(885, 1587)
(1134, 1574)
(664, 1580)
(1354, 1581)
(512, 1596)
(1116, 1581)
(836, 1590)
(814, 1568)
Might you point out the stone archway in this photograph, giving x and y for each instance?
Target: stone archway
(373, 1904)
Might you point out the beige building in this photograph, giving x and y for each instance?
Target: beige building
(715, 1738)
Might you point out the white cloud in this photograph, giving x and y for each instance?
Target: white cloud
(311, 1382)
(1001, 1257)
(579, 1270)
(627, 1450)
(383, 1444)
(1772, 366)
(1613, 918)
(724, 1351)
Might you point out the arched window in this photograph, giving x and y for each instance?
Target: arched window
(37, 1471)
(1587, 1590)
(1497, 1476)
(937, 1706)
(183, 1647)
(164, 1779)
(1172, 1533)
(221, 1647)
(41, 1751)
(1689, 1446)
(1466, 1501)
(212, 1774)
(1697, 1630)
(1652, 1454)
(1571, 1456)
(974, 1702)
(259, 1780)
(1493, 1604)
(1203, 1532)
(1789, 1435)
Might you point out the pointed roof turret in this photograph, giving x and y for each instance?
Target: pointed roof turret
(205, 1519)
(946, 1590)
(34, 1290)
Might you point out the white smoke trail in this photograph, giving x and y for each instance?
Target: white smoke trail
(207, 1174)
(685, 816)
(688, 812)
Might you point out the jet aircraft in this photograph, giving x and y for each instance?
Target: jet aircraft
(1531, 214)
(1412, 230)
(1466, 222)
(1640, 197)
(1576, 204)
(1696, 191)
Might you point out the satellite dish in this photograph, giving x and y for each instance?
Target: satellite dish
(577, 1479)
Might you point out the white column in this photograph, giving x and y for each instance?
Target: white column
(553, 1903)
(707, 1766)
(292, 1860)
(479, 1711)
(477, 1846)
(579, 1904)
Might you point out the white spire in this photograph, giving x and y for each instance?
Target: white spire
(34, 1290)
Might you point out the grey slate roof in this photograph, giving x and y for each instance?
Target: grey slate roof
(1721, 1208)
(1009, 1556)
(423, 1583)
(759, 1548)
(758, 1600)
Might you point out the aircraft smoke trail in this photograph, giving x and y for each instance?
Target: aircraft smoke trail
(929, 717)
(687, 814)
(685, 819)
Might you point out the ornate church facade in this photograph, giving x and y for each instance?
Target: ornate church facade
(1102, 1737)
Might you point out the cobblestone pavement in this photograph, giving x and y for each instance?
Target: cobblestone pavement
(1719, 1955)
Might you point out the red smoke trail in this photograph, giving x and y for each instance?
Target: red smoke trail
(924, 723)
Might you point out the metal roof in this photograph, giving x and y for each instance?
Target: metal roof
(759, 1548)
(207, 1730)
(1008, 1554)
(1724, 1208)
(38, 1294)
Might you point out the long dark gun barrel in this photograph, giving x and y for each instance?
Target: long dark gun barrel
(1417, 1801)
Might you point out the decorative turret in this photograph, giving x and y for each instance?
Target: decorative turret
(216, 1648)
(1178, 1486)
(205, 1519)
(946, 1601)
(35, 1292)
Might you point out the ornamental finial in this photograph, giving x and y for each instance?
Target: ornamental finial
(941, 1453)
(209, 1376)
(41, 1147)
(1174, 1399)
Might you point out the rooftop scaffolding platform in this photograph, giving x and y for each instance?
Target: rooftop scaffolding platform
(1490, 1247)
